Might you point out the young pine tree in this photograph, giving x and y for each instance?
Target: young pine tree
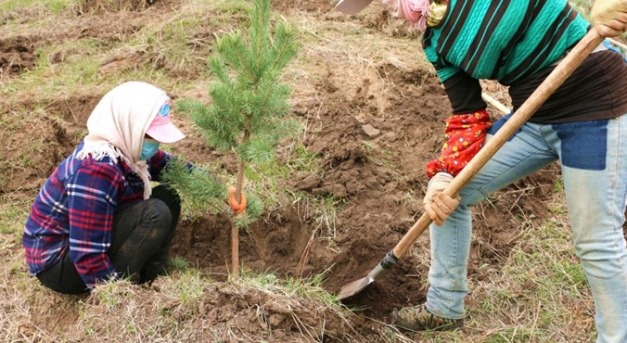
(248, 99)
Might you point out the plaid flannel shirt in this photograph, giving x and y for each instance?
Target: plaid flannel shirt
(73, 213)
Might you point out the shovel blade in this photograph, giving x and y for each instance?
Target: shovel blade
(354, 287)
(352, 6)
(358, 285)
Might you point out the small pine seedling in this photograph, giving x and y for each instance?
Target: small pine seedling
(249, 101)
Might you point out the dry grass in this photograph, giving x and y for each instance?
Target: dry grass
(104, 6)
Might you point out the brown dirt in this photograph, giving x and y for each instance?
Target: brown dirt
(16, 55)
(377, 179)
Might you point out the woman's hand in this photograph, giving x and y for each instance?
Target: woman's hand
(438, 204)
(614, 27)
(609, 17)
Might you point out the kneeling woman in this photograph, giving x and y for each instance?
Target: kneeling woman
(96, 217)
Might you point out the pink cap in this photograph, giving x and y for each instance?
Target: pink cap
(162, 128)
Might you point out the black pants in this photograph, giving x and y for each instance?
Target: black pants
(142, 234)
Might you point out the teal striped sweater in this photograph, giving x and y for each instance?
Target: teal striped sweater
(517, 42)
(504, 40)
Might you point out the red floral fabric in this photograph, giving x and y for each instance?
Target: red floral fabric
(465, 135)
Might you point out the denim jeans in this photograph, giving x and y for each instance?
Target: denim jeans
(593, 158)
(142, 234)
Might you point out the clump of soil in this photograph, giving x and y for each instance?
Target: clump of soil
(16, 56)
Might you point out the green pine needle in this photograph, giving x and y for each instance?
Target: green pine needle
(248, 99)
(247, 93)
(198, 187)
(254, 209)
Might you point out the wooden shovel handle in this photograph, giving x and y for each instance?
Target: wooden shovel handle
(555, 79)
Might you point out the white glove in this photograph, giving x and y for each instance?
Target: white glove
(437, 204)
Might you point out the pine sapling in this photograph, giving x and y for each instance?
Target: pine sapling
(248, 100)
(200, 189)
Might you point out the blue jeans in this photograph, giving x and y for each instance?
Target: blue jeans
(593, 156)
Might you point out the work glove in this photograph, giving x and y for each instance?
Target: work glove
(610, 17)
(236, 207)
(437, 204)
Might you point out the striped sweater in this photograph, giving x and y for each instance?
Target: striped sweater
(516, 43)
(504, 40)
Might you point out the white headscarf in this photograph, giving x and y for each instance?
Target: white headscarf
(118, 123)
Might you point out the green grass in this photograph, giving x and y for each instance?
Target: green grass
(301, 160)
(24, 122)
(13, 214)
(167, 45)
(191, 287)
(70, 77)
(298, 160)
(536, 288)
(55, 6)
(178, 263)
(170, 46)
(240, 7)
(292, 287)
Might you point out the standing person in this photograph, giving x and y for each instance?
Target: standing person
(582, 125)
(97, 218)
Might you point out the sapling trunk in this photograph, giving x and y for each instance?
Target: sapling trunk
(238, 198)
(234, 250)
(241, 166)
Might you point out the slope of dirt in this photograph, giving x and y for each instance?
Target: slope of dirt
(373, 141)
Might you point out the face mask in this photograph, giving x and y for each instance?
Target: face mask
(149, 149)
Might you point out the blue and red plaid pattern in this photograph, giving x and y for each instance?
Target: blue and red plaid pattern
(73, 213)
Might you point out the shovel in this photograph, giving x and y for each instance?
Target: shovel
(555, 79)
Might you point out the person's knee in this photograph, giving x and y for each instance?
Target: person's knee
(158, 214)
(601, 259)
(470, 197)
(169, 196)
(166, 193)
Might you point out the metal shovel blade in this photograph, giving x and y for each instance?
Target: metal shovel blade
(354, 287)
(359, 285)
(352, 6)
